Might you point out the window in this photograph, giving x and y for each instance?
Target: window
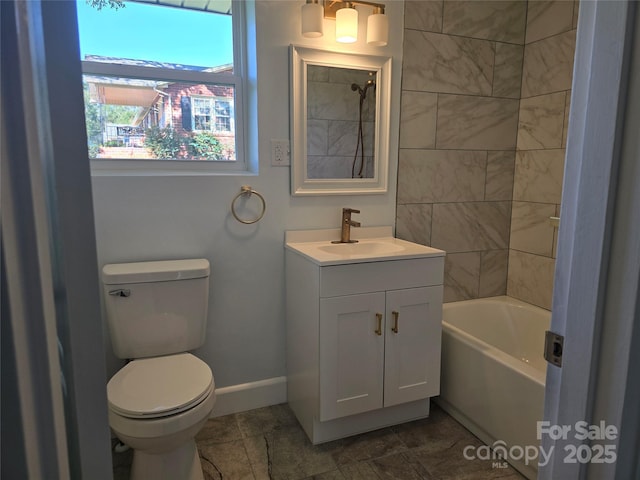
(154, 91)
(223, 116)
(212, 114)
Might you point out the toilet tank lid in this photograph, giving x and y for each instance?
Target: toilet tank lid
(160, 271)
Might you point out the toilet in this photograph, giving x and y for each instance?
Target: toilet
(159, 401)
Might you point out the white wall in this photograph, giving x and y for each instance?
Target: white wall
(155, 217)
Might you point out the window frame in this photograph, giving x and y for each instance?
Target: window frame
(237, 80)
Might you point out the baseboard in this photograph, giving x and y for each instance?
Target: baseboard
(247, 396)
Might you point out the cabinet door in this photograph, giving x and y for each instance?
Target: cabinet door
(412, 351)
(351, 354)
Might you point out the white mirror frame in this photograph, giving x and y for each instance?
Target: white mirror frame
(301, 184)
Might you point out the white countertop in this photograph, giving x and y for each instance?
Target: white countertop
(375, 244)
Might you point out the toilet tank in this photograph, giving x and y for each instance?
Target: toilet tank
(156, 308)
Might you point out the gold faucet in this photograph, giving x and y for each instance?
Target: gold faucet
(347, 223)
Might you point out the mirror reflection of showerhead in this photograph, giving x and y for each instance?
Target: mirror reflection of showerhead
(363, 91)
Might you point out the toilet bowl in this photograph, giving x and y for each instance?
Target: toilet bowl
(164, 395)
(157, 406)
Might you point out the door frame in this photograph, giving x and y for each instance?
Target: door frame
(49, 252)
(596, 290)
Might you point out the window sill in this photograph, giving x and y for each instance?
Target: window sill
(165, 168)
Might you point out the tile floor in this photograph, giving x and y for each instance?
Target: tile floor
(269, 444)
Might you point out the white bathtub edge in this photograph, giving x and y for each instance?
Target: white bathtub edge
(498, 355)
(498, 299)
(483, 436)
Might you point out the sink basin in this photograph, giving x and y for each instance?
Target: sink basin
(374, 244)
(361, 248)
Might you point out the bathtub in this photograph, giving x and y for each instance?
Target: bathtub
(493, 372)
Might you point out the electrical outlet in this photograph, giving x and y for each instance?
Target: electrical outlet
(280, 153)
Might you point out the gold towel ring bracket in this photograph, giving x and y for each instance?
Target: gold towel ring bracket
(247, 191)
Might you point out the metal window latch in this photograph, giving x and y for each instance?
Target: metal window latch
(122, 292)
(553, 345)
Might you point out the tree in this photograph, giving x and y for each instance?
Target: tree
(100, 4)
(92, 118)
(120, 114)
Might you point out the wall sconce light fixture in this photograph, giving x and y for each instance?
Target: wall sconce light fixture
(312, 15)
(346, 17)
(347, 24)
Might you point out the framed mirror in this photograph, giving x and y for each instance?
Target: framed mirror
(339, 122)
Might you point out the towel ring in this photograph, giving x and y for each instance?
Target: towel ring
(246, 190)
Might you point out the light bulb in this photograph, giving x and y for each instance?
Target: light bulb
(377, 29)
(312, 17)
(347, 25)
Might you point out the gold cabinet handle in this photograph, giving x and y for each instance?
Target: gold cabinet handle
(379, 329)
(394, 329)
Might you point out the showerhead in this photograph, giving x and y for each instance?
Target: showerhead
(363, 91)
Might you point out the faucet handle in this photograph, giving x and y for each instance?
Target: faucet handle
(350, 210)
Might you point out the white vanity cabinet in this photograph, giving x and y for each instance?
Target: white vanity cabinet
(366, 362)
(363, 342)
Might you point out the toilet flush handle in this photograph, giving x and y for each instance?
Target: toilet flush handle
(122, 292)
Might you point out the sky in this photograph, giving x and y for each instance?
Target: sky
(148, 32)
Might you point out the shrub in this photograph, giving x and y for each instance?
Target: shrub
(205, 146)
(163, 142)
(94, 151)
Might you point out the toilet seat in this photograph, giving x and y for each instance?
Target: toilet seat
(160, 386)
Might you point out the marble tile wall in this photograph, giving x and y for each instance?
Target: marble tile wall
(461, 87)
(484, 113)
(540, 151)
